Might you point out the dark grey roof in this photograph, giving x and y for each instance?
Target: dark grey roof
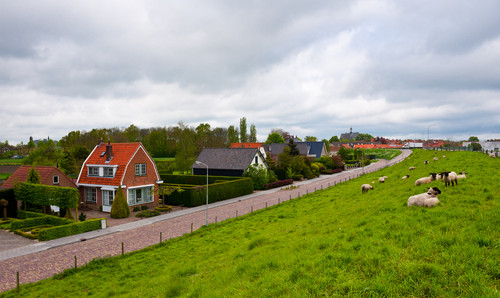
(316, 148)
(226, 158)
(277, 148)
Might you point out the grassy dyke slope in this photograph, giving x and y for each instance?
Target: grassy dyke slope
(335, 242)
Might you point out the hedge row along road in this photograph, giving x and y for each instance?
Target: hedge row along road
(37, 262)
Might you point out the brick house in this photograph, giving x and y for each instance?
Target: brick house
(115, 164)
(51, 176)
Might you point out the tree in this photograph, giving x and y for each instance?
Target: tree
(284, 158)
(293, 148)
(119, 208)
(475, 146)
(156, 142)
(243, 130)
(258, 174)
(344, 153)
(364, 137)
(334, 139)
(232, 134)
(275, 137)
(33, 176)
(132, 133)
(203, 133)
(284, 134)
(327, 144)
(473, 139)
(253, 134)
(68, 163)
(186, 149)
(311, 139)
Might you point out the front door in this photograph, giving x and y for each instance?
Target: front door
(107, 200)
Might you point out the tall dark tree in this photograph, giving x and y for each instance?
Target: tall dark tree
(233, 134)
(33, 176)
(243, 130)
(68, 163)
(156, 142)
(132, 133)
(186, 149)
(253, 134)
(293, 148)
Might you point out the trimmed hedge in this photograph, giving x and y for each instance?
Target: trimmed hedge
(192, 196)
(278, 183)
(44, 195)
(21, 214)
(70, 229)
(38, 221)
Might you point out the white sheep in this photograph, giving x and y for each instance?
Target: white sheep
(449, 178)
(426, 180)
(411, 168)
(428, 199)
(462, 175)
(405, 177)
(366, 188)
(382, 179)
(444, 156)
(492, 155)
(435, 159)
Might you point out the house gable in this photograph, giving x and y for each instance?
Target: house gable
(46, 173)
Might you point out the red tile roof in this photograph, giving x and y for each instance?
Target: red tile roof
(21, 174)
(122, 155)
(245, 145)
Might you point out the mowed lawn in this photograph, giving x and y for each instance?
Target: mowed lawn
(335, 242)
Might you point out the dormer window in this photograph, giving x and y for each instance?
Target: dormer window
(55, 179)
(94, 171)
(108, 172)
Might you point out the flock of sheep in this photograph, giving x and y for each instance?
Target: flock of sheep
(429, 198)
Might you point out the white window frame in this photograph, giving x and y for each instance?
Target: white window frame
(108, 175)
(91, 192)
(146, 194)
(140, 169)
(106, 196)
(91, 171)
(55, 179)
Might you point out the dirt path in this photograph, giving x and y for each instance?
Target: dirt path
(45, 264)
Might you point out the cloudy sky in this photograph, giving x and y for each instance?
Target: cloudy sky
(398, 69)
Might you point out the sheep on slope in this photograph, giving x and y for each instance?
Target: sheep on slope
(411, 168)
(426, 162)
(449, 178)
(428, 199)
(366, 188)
(405, 177)
(382, 179)
(426, 180)
(435, 159)
(492, 155)
(462, 175)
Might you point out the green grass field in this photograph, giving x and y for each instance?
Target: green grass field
(11, 161)
(335, 242)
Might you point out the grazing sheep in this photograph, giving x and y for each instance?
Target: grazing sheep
(366, 188)
(405, 177)
(411, 168)
(492, 155)
(425, 180)
(462, 175)
(435, 159)
(449, 178)
(444, 156)
(426, 162)
(428, 199)
(381, 180)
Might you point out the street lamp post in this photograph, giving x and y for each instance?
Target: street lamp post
(203, 164)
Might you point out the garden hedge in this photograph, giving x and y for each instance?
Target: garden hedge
(279, 183)
(70, 229)
(191, 196)
(21, 214)
(44, 195)
(38, 221)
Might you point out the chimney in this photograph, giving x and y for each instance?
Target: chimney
(109, 151)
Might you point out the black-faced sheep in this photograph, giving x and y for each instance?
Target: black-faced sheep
(449, 178)
(382, 179)
(411, 168)
(462, 175)
(366, 188)
(428, 199)
(405, 177)
(426, 162)
(425, 180)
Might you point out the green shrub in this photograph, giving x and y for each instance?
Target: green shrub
(45, 195)
(38, 221)
(70, 229)
(164, 208)
(148, 213)
(297, 177)
(28, 214)
(119, 208)
(136, 208)
(144, 207)
(82, 217)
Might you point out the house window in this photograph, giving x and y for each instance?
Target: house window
(91, 195)
(55, 179)
(140, 169)
(108, 172)
(140, 195)
(256, 160)
(93, 171)
(108, 197)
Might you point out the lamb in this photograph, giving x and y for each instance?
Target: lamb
(411, 168)
(435, 159)
(382, 179)
(426, 180)
(449, 178)
(462, 175)
(405, 177)
(426, 162)
(428, 199)
(366, 188)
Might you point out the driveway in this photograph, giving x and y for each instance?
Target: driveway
(10, 240)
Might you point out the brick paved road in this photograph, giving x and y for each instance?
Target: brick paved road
(45, 264)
